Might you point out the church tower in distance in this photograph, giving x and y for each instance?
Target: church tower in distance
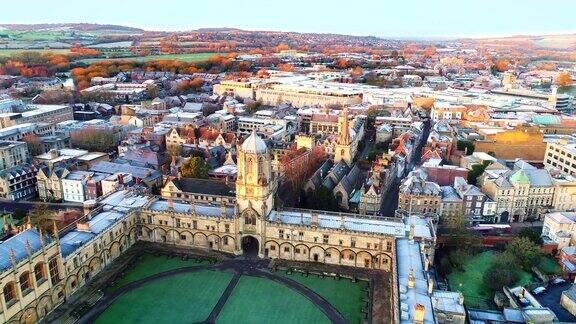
(342, 151)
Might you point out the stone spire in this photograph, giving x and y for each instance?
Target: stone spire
(344, 128)
(41, 237)
(229, 159)
(28, 248)
(55, 232)
(12, 257)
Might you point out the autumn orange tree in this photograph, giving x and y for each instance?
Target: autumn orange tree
(185, 86)
(429, 51)
(35, 146)
(262, 73)
(357, 72)
(502, 65)
(285, 67)
(93, 139)
(78, 49)
(36, 64)
(297, 165)
(282, 47)
(564, 79)
(214, 64)
(293, 167)
(195, 167)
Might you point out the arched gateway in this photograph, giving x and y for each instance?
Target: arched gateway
(250, 246)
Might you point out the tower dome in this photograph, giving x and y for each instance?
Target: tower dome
(254, 144)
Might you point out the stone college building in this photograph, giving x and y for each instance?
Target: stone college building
(38, 272)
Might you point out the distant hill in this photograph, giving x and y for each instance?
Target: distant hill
(218, 30)
(71, 26)
(558, 42)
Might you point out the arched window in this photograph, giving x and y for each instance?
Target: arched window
(40, 271)
(340, 198)
(25, 282)
(250, 219)
(10, 292)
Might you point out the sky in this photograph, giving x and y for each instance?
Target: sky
(383, 18)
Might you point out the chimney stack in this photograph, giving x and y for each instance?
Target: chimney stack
(314, 219)
(411, 281)
(419, 312)
(223, 210)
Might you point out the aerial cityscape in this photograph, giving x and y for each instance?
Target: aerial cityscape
(304, 162)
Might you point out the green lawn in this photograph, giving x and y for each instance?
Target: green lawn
(190, 57)
(568, 90)
(470, 281)
(549, 266)
(35, 35)
(151, 264)
(345, 295)
(185, 298)
(14, 52)
(190, 297)
(259, 300)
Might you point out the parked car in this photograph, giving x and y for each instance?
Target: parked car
(558, 281)
(538, 290)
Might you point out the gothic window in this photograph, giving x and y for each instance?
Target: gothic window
(250, 166)
(250, 219)
(25, 282)
(40, 272)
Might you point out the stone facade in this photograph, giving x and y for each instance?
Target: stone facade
(251, 225)
(32, 286)
(520, 193)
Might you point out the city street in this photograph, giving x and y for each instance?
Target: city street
(551, 298)
(390, 201)
(25, 206)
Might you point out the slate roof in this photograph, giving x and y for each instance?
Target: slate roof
(138, 172)
(17, 244)
(336, 174)
(17, 171)
(416, 183)
(321, 173)
(350, 180)
(536, 178)
(334, 221)
(203, 186)
(198, 208)
(464, 189)
(449, 194)
(73, 240)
